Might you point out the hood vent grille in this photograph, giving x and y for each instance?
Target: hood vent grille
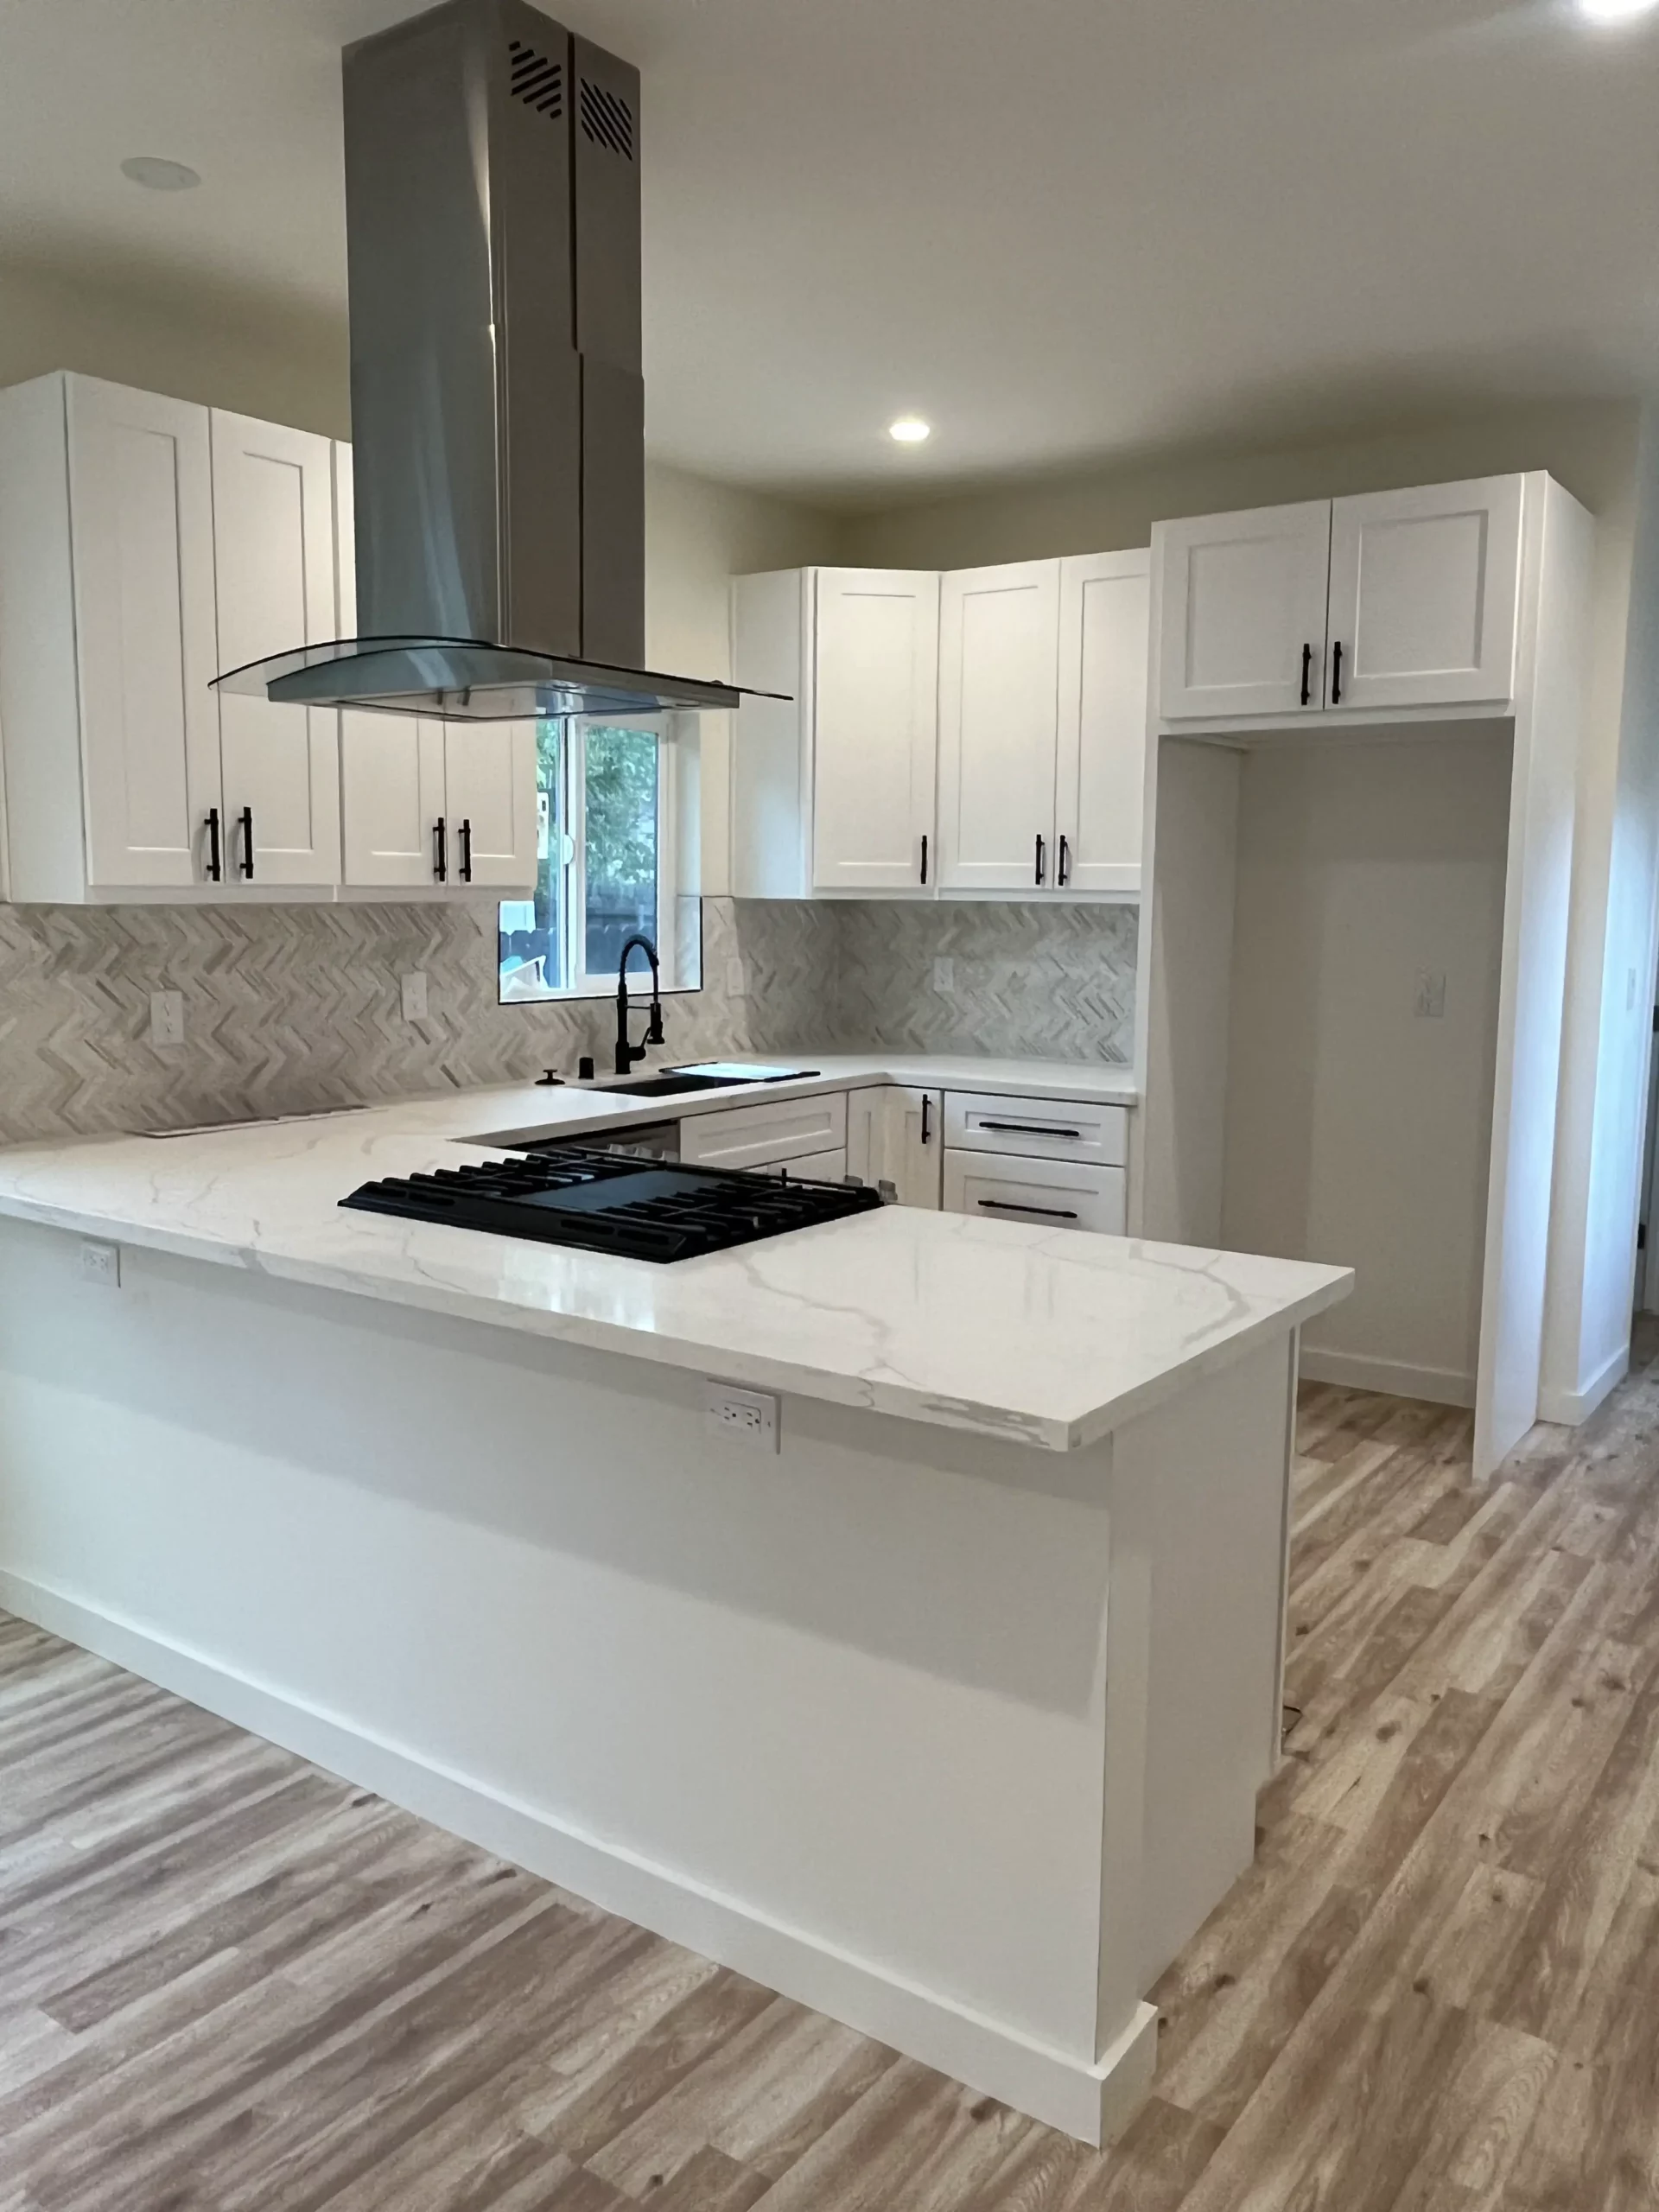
(537, 81)
(607, 120)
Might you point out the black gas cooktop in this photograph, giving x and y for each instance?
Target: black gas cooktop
(605, 1203)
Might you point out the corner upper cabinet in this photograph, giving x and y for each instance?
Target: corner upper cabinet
(426, 805)
(107, 642)
(1424, 589)
(833, 784)
(999, 703)
(1101, 769)
(274, 572)
(1244, 613)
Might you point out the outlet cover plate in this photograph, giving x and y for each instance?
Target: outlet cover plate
(741, 1416)
(167, 1018)
(413, 989)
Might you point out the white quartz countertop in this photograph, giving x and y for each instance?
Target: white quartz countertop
(1046, 1338)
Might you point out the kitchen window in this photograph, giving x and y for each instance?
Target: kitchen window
(616, 809)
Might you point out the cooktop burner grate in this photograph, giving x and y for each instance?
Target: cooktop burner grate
(604, 1202)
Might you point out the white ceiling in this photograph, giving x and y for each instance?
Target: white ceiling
(1058, 228)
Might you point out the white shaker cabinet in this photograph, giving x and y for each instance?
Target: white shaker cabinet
(1101, 769)
(832, 782)
(999, 692)
(274, 569)
(1243, 619)
(107, 645)
(427, 804)
(895, 1134)
(1424, 587)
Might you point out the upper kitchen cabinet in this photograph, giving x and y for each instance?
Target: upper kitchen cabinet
(1358, 607)
(832, 783)
(425, 805)
(999, 693)
(1241, 630)
(1424, 585)
(273, 568)
(107, 642)
(1101, 767)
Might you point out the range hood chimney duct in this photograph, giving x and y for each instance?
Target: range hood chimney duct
(498, 404)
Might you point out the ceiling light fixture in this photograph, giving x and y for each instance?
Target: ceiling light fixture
(910, 429)
(158, 175)
(1615, 11)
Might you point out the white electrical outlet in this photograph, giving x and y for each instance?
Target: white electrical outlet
(1428, 997)
(741, 1416)
(101, 1263)
(167, 1018)
(944, 974)
(413, 987)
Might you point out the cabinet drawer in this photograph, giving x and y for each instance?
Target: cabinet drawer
(1050, 1192)
(774, 1130)
(810, 1167)
(1037, 1128)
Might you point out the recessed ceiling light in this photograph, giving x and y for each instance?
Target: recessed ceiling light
(157, 175)
(1615, 11)
(910, 429)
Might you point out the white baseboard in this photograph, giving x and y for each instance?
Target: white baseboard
(1094, 2103)
(1395, 1378)
(1573, 1407)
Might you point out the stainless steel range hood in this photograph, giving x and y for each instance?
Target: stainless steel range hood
(498, 405)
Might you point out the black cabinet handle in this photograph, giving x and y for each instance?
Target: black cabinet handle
(1041, 856)
(927, 1119)
(1027, 1129)
(1308, 673)
(1062, 875)
(440, 851)
(246, 818)
(215, 856)
(1336, 673)
(465, 871)
(1007, 1205)
(924, 856)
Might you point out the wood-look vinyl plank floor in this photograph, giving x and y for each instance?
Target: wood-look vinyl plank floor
(229, 1983)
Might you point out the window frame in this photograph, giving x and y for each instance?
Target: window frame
(569, 806)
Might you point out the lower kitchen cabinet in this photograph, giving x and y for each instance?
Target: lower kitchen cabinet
(810, 1167)
(780, 1133)
(1052, 1194)
(895, 1134)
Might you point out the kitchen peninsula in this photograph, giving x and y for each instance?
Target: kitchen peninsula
(946, 1717)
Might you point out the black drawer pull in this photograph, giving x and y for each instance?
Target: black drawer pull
(247, 843)
(1008, 1206)
(1336, 673)
(1308, 673)
(1064, 875)
(1041, 857)
(1026, 1129)
(924, 856)
(927, 1119)
(215, 858)
(465, 871)
(440, 851)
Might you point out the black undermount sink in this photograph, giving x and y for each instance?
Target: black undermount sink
(669, 1086)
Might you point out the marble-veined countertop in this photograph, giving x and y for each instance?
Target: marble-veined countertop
(1046, 1338)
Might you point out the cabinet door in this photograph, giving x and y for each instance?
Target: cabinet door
(767, 1135)
(1104, 602)
(490, 788)
(1241, 628)
(1423, 591)
(274, 569)
(142, 515)
(999, 682)
(391, 765)
(875, 728)
(895, 1134)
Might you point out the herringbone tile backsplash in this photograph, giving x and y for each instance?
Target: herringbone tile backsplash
(292, 1007)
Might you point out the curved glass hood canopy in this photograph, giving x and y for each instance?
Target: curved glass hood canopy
(463, 680)
(498, 404)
